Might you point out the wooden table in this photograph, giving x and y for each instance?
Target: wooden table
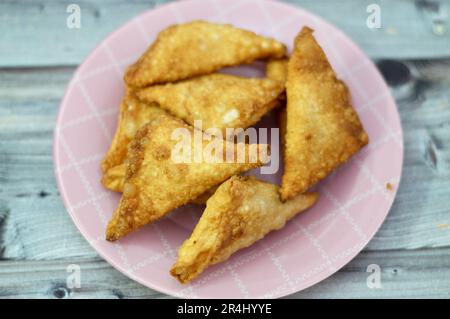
(38, 55)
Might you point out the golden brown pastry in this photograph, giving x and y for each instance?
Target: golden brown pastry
(277, 69)
(282, 119)
(323, 129)
(133, 114)
(242, 211)
(161, 177)
(217, 100)
(203, 198)
(114, 179)
(196, 48)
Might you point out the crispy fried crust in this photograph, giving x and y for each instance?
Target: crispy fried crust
(133, 114)
(203, 198)
(218, 100)
(242, 211)
(282, 119)
(114, 179)
(323, 129)
(196, 48)
(276, 69)
(155, 183)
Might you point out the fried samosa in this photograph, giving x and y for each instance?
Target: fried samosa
(218, 100)
(133, 114)
(242, 211)
(197, 48)
(323, 130)
(114, 179)
(164, 172)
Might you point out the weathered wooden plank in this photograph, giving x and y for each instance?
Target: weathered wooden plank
(33, 220)
(48, 279)
(403, 22)
(36, 226)
(34, 33)
(404, 274)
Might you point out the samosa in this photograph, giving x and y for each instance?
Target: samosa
(133, 114)
(323, 130)
(242, 211)
(216, 100)
(169, 164)
(196, 48)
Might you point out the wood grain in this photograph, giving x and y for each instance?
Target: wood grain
(404, 274)
(40, 27)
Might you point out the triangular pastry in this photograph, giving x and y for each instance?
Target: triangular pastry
(160, 177)
(196, 48)
(242, 211)
(217, 100)
(323, 130)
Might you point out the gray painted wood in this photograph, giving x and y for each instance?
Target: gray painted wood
(38, 239)
(404, 274)
(36, 32)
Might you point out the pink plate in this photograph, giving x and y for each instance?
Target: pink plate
(354, 200)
